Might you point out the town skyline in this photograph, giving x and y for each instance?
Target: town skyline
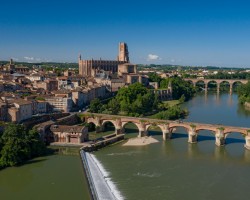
(206, 33)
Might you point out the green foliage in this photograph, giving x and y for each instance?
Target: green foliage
(174, 112)
(164, 83)
(154, 77)
(37, 146)
(95, 106)
(136, 100)
(244, 93)
(226, 75)
(113, 106)
(182, 99)
(40, 99)
(18, 145)
(181, 87)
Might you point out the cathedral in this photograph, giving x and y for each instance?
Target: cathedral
(89, 68)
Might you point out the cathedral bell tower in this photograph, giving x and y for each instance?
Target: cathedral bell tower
(123, 52)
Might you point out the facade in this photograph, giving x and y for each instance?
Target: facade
(20, 110)
(69, 134)
(89, 68)
(49, 84)
(59, 103)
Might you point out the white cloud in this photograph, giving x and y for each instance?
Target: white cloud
(153, 57)
(172, 60)
(28, 58)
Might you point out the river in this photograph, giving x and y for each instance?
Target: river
(171, 169)
(176, 169)
(58, 176)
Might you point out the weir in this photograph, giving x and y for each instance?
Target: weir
(102, 188)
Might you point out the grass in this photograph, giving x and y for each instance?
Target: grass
(172, 103)
(169, 104)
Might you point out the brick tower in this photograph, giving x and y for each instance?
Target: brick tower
(123, 52)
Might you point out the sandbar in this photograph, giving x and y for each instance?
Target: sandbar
(140, 141)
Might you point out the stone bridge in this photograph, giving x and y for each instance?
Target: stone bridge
(231, 82)
(167, 127)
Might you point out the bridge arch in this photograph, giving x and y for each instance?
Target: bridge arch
(91, 126)
(212, 130)
(191, 82)
(200, 81)
(148, 126)
(105, 123)
(237, 83)
(225, 83)
(93, 121)
(234, 137)
(124, 123)
(180, 125)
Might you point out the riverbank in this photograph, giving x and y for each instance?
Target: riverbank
(140, 141)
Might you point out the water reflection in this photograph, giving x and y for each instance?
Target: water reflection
(243, 111)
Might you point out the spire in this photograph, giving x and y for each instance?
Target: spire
(80, 57)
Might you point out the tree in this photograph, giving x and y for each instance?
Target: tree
(16, 148)
(244, 93)
(37, 146)
(19, 145)
(154, 77)
(95, 105)
(114, 106)
(181, 87)
(136, 100)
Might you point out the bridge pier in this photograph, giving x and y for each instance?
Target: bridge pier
(231, 88)
(192, 136)
(118, 131)
(206, 86)
(220, 138)
(247, 145)
(142, 133)
(166, 135)
(218, 87)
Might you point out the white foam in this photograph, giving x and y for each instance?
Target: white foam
(129, 153)
(105, 175)
(149, 175)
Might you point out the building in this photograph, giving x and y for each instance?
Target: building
(89, 68)
(69, 134)
(48, 84)
(20, 110)
(59, 103)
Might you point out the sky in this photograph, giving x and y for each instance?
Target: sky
(178, 32)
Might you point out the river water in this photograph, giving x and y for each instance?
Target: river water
(176, 169)
(55, 177)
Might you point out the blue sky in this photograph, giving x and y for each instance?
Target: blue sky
(186, 32)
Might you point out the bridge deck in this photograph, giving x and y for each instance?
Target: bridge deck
(126, 118)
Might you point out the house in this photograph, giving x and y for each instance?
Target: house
(69, 134)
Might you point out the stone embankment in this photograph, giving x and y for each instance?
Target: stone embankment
(104, 141)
